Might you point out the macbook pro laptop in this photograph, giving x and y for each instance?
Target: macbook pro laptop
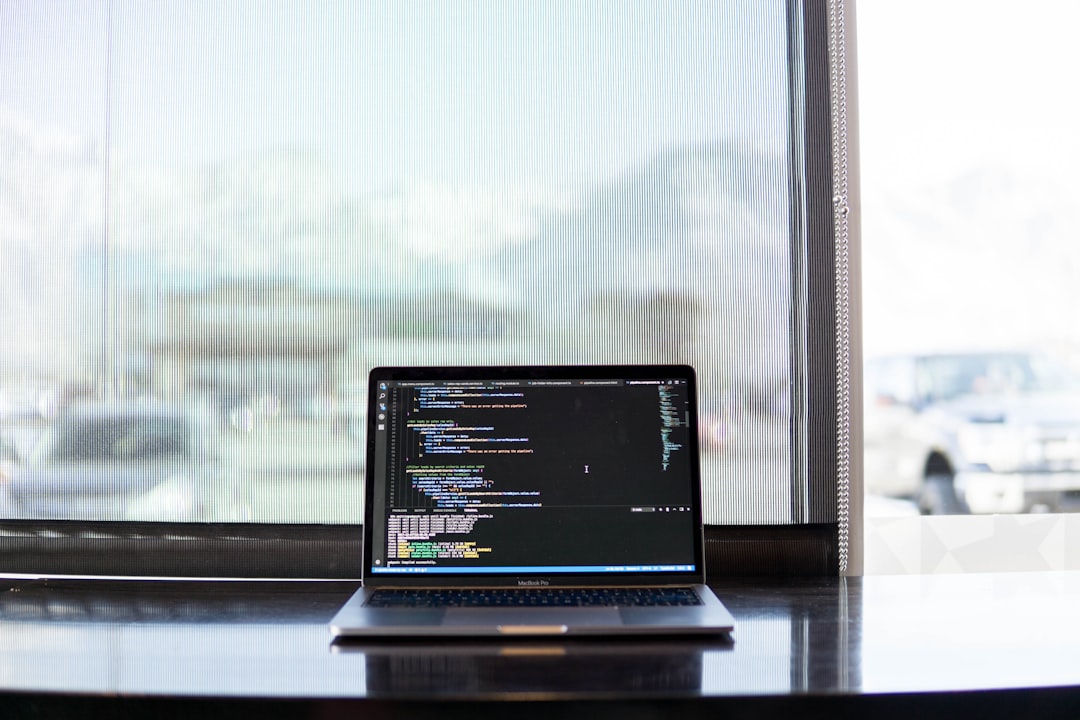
(532, 501)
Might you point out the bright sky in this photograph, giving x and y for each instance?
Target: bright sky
(517, 92)
(968, 114)
(948, 83)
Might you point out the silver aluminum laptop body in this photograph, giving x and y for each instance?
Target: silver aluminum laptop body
(525, 478)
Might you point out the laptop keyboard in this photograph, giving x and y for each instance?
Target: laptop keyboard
(543, 597)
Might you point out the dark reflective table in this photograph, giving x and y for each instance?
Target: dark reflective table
(935, 645)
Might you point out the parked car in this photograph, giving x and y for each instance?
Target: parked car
(974, 432)
(121, 461)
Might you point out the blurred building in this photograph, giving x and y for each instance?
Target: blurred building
(239, 339)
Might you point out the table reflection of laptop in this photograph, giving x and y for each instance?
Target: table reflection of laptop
(397, 667)
(532, 501)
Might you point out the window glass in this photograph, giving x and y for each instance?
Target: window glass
(216, 218)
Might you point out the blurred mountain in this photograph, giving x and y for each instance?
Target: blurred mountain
(668, 226)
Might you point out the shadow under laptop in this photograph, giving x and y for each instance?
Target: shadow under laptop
(530, 668)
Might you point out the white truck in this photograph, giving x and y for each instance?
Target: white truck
(973, 432)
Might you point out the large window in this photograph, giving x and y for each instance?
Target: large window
(216, 218)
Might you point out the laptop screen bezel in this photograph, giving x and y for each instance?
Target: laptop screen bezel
(531, 372)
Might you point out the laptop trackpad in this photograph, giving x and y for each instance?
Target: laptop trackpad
(532, 621)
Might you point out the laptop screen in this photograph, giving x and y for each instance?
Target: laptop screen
(521, 471)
